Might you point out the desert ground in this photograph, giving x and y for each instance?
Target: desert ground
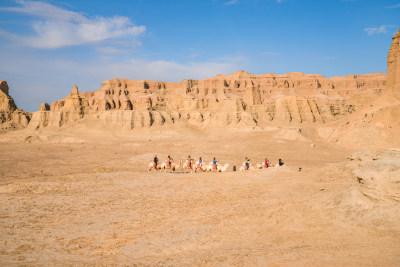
(88, 199)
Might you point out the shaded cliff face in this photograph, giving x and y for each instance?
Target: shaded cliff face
(10, 116)
(393, 65)
(240, 99)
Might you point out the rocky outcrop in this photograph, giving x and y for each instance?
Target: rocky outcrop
(68, 110)
(10, 116)
(393, 66)
(122, 94)
(74, 103)
(6, 101)
(237, 100)
(44, 107)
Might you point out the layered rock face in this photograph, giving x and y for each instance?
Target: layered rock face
(393, 66)
(10, 116)
(240, 99)
(249, 89)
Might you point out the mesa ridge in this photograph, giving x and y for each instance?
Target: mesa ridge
(238, 100)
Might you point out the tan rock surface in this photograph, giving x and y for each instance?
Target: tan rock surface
(6, 101)
(44, 107)
(10, 116)
(393, 66)
(238, 100)
(71, 109)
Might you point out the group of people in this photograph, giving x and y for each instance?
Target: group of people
(190, 162)
(265, 164)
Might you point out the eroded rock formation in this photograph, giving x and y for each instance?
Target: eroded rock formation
(72, 108)
(44, 107)
(122, 94)
(240, 99)
(393, 66)
(10, 116)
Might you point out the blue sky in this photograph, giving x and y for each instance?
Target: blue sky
(47, 46)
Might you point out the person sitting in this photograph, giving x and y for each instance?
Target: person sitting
(189, 162)
(247, 163)
(169, 161)
(280, 163)
(215, 164)
(266, 163)
(200, 163)
(155, 161)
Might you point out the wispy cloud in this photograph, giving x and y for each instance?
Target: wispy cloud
(279, 1)
(58, 27)
(393, 6)
(378, 30)
(231, 3)
(270, 54)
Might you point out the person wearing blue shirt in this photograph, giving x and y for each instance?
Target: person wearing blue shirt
(246, 161)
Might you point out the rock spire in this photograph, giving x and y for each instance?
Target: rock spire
(393, 66)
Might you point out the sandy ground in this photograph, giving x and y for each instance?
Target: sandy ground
(90, 201)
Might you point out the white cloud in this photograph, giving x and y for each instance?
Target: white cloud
(381, 29)
(44, 10)
(231, 3)
(59, 27)
(279, 1)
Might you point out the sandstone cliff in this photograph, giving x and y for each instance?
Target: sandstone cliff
(71, 109)
(250, 90)
(10, 116)
(393, 66)
(238, 100)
